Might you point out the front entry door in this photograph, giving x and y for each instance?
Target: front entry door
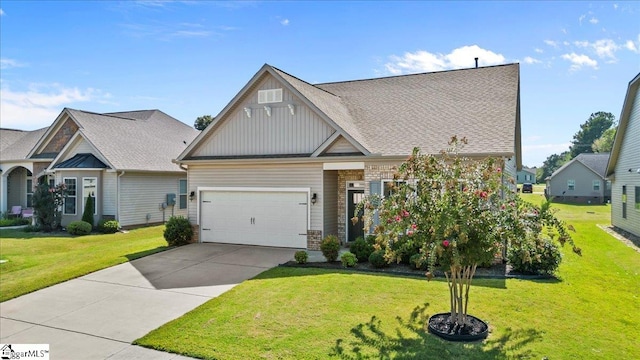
(353, 199)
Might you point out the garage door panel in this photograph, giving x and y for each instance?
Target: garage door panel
(255, 218)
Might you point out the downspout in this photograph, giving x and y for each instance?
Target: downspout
(118, 198)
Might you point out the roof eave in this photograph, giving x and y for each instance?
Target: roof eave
(624, 119)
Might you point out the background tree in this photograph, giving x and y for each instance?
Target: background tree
(202, 122)
(87, 215)
(46, 203)
(605, 143)
(553, 163)
(590, 131)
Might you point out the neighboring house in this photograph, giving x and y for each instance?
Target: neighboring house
(123, 160)
(624, 165)
(15, 169)
(286, 162)
(581, 180)
(526, 175)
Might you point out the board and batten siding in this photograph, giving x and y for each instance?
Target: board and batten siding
(260, 134)
(269, 176)
(109, 193)
(628, 158)
(330, 202)
(141, 196)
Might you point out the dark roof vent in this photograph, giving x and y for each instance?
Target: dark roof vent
(476, 62)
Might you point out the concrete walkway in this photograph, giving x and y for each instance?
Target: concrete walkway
(97, 316)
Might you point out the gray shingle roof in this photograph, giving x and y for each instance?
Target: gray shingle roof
(395, 114)
(138, 140)
(596, 162)
(16, 144)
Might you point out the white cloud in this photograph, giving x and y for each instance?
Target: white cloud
(424, 61)
(2, 12)
(551, 43)
(582, 17)
(6, 63)
(593, 20)
(578, 61)
(539, 51)
(284, 22)
(633, 45)
(615, 6)
(530, 60)
(39, 105)
(604, 48)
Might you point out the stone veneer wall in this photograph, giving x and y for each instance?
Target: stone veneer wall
(343, 177)
(196, 233)
(378, 172)
(61, 138)
(314, 238)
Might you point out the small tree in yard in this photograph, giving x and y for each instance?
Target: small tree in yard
(46, 203)
(87, 215)
(458, 211)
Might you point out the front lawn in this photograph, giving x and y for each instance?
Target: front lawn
(38, 260)
(291, 313)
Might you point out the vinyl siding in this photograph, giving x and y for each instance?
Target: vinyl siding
(78, 175)
(303, 176)
(330, 202)
(109, 193)
(141, 195)
(583, 178)
(280, 133)
(342, 146)
(629, 158)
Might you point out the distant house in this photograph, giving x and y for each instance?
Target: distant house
(286, 162)
(123, 160)
(581, 180)
(624, 165)
(526, 175)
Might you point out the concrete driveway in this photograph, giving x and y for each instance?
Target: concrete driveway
(97, 316)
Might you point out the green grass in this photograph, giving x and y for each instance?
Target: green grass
(589, 312)
(38, 260)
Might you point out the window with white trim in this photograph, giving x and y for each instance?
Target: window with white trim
(637, 206)
(269, 96)
(571, 184)
(596, 185)
(69, 207)
(182, 193)
(90, 188)
(390, 186)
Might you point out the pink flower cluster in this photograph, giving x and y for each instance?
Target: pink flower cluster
(445, 243)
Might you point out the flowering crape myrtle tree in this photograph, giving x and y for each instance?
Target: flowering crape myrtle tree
(47, 203)
(459, 212)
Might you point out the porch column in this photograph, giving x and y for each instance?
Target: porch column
(3, 192)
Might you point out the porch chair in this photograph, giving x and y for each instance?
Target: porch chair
(15, 211)
(27, 213)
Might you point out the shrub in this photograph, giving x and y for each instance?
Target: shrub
(108, 227)
(14, 222)
(330, 247)
(301, 257)
(418, 261)
(47, 203)
(377, 259)
(31, 228)
(541, 257)
(361, 249)
(79, 228)
(87, 215)
(178, 231)
(348, 259)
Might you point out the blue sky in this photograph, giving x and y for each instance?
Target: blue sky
(189, 58)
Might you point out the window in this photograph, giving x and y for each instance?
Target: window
(29, 192)
(389, 187)
(182, 193)
(571, 184)
(70, 199)
(637, 198)
(269, 96)
(52, 183)
(90, 188)
(596, 185)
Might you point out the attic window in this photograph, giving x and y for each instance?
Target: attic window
(269, 96)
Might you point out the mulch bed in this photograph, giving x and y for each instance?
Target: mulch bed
(497, 271)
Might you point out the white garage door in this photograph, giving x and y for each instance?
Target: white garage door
(268, 218)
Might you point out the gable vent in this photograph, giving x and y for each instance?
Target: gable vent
(269, 96)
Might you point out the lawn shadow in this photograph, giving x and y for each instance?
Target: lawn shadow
(141, 254)
(411, 340)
